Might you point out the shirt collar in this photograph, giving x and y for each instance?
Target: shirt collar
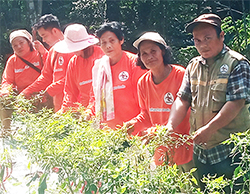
(221, 54)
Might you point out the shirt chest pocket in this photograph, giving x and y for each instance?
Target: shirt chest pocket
(218, 92)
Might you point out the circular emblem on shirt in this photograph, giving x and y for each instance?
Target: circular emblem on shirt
(60, 60)
(224, 68)
(169, 98)
(123, 76)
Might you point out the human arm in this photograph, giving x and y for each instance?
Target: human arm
(142, 120)
(40, 48)
(71, 91)
(8, 77)
(238, 94)
(56, 87)
(178, 112)
(44, 79)
(228, 112)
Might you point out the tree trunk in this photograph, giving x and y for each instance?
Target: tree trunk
(32, 12)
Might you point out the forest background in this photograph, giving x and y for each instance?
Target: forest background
(168, 17)
(88, 159)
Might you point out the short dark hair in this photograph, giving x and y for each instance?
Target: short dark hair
(48, 21)
(114, 27)
(218, 31)
(31, 45)
(167, 55)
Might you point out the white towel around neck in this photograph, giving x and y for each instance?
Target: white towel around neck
(103, 89)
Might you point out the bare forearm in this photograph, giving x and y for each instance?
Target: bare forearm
(178, 112)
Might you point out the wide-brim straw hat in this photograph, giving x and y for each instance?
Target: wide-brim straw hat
(75, 39)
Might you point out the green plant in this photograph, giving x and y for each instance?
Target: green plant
(238, 34)
(88, 159)
(184, 55)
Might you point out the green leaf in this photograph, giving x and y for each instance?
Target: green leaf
(42, 184)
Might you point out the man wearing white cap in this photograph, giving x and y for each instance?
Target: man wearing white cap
(53, 75)
(79, 73)
(216, 86)
(21, 70)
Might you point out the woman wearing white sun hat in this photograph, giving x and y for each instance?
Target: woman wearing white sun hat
(22, 68)
(79, 73)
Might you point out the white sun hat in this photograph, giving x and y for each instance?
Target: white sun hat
(76, 38)
(153, 36)
(20, 33)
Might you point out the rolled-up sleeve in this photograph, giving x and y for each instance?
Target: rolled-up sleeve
(238, 86)
(185, 91)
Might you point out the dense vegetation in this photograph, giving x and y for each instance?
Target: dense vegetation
(168, 17)
(91, 160)
(86, 158)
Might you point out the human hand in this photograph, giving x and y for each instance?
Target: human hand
(148, 134)
(87, 115)
(202, 135)
(39, 47)
(129, 126)
(169, 128)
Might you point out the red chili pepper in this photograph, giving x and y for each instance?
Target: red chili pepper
(55, 169)
(99, 184)
(81, 190)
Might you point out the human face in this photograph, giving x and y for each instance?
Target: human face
(151, 55)
(111, 45)
(21, 46)
(206, 41)
(48, 36)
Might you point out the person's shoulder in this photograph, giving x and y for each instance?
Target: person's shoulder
(97, 48)
(178, 68)
(145, 77)
(196, 59)
(74, 59)
(12, 57)
(130, 55)
(98, 61)
(236, 55)
(194, 62)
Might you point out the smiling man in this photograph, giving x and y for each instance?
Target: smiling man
(217, 87)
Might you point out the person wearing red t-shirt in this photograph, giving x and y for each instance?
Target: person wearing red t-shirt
(79, 73)
(157, 91)
(18, 74)
(52, 78)
(115, 77)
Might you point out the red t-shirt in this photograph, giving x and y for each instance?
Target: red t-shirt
(125, 75)
(79, 80)
(52, 78)
(156, 102)
(19, 74)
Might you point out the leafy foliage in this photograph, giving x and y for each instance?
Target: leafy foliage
(238, 34)
(92, 160)
(88, 158)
